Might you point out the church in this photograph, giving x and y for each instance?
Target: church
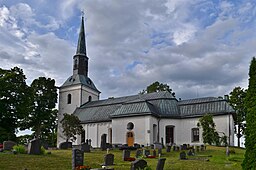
(142, 119)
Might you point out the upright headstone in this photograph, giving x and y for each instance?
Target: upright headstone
(168, 148)
(146, 152)
(159, 151)
(154, 152)
(160, 164)
(184, 147)
(190, 153)
(109, 159)
(183, 155)
(138, 164)
(85, 147)
(162, 142)
(126, 154)
(77, 158)
(103, 144)
(34, 147)
(8, 145)
(202, 148)
(174, 148)
(138, 153)
(65, 145)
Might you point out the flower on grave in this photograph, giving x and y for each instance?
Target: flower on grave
(83, 167)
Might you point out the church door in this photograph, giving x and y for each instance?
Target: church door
(169, 137)
(130, 138)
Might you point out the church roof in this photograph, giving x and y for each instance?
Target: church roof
(159, 104)
(80, 79)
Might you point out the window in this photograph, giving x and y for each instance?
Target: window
(195, 135)
(69, 99)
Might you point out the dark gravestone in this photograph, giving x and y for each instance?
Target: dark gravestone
(86, 148)
(138, 164)
(126, 154)
(160, 164)
(65, 145)
(45, 145)
(108, 159)
(190, 153)
(154, 152)
(184, 147)
(168, 149)
(183, 155)
(34, 147)
(152, 146)
(202, 148)
(136, 146)
(138, 153)
(146, 152)
(162, 142)
(8, 145)
(174, 148)
(109, 146)
(103, 144)
(77, 158)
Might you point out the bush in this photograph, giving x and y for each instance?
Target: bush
(20, 149)
(42, 151)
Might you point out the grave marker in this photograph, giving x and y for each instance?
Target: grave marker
(160, 164)
(138, 164)
(108, 159)
(77, 158)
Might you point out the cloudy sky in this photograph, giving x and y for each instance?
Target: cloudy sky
(200, 48)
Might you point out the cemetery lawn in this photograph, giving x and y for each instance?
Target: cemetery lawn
(61, 160)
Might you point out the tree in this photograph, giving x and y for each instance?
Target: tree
(44, 97)
(249, 161)
(210, 135)
(14, 102)
(236, 100)
(71, 126)
(156, 87)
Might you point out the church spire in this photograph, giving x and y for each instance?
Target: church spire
(80, 59)
(81, 46)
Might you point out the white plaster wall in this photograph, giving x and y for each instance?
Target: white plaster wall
(94, 131)
(79, 95)
(142, 129)
(182, 129)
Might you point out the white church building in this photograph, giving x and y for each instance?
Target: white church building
(142, 118)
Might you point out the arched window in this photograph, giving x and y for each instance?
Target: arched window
(195, 134)
(69, 99)
(89, 98)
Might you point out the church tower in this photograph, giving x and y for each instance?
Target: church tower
(78, 88)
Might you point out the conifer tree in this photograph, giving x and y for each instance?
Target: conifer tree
(250, 131)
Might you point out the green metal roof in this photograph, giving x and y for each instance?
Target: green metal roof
(159, 104)
(80, 79)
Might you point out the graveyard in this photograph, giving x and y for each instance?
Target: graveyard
(211, 158)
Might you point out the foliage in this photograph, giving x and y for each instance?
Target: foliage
(24, 139)
(42, 115)
(210, 135)
(14, 101)
(156, 87)
(42, 150)
(20, 149)
(224, 140)
(236, 100)
(250, 133)
(71, 126)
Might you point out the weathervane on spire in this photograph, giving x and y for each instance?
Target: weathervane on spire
(83, 13)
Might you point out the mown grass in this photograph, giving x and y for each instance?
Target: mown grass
(61, 160)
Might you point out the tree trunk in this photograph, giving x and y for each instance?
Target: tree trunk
(238, 135)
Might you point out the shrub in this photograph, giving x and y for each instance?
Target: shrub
(42, 151)
(20, 149)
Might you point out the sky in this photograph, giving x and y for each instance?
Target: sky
(199, 48)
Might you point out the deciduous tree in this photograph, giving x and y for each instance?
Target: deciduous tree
(237, 101)
(156, 87)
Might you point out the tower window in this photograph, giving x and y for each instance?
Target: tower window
(195, 135)
(89, 98)
(69, 99)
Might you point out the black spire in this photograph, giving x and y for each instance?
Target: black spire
(80, 59)
(81, 46)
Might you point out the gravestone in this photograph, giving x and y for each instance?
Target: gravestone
(183, 155)
(184, 147)
(202, 148)
(65, 145)
(158, 146)
(103, 144)
(177, 148)
(138, 153)
(126, 154)
(89, 142)
(168, 149)
(138, 164)
(160, 164)
(8, 145)
(45, 145)
(152, 146)
(162, 142)
(34, 147)
(77, 158)
(174, 148)
(136, 145)
(86, 147)
(146, 152)
(108, 159)
(154, 152)
(190, 153)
